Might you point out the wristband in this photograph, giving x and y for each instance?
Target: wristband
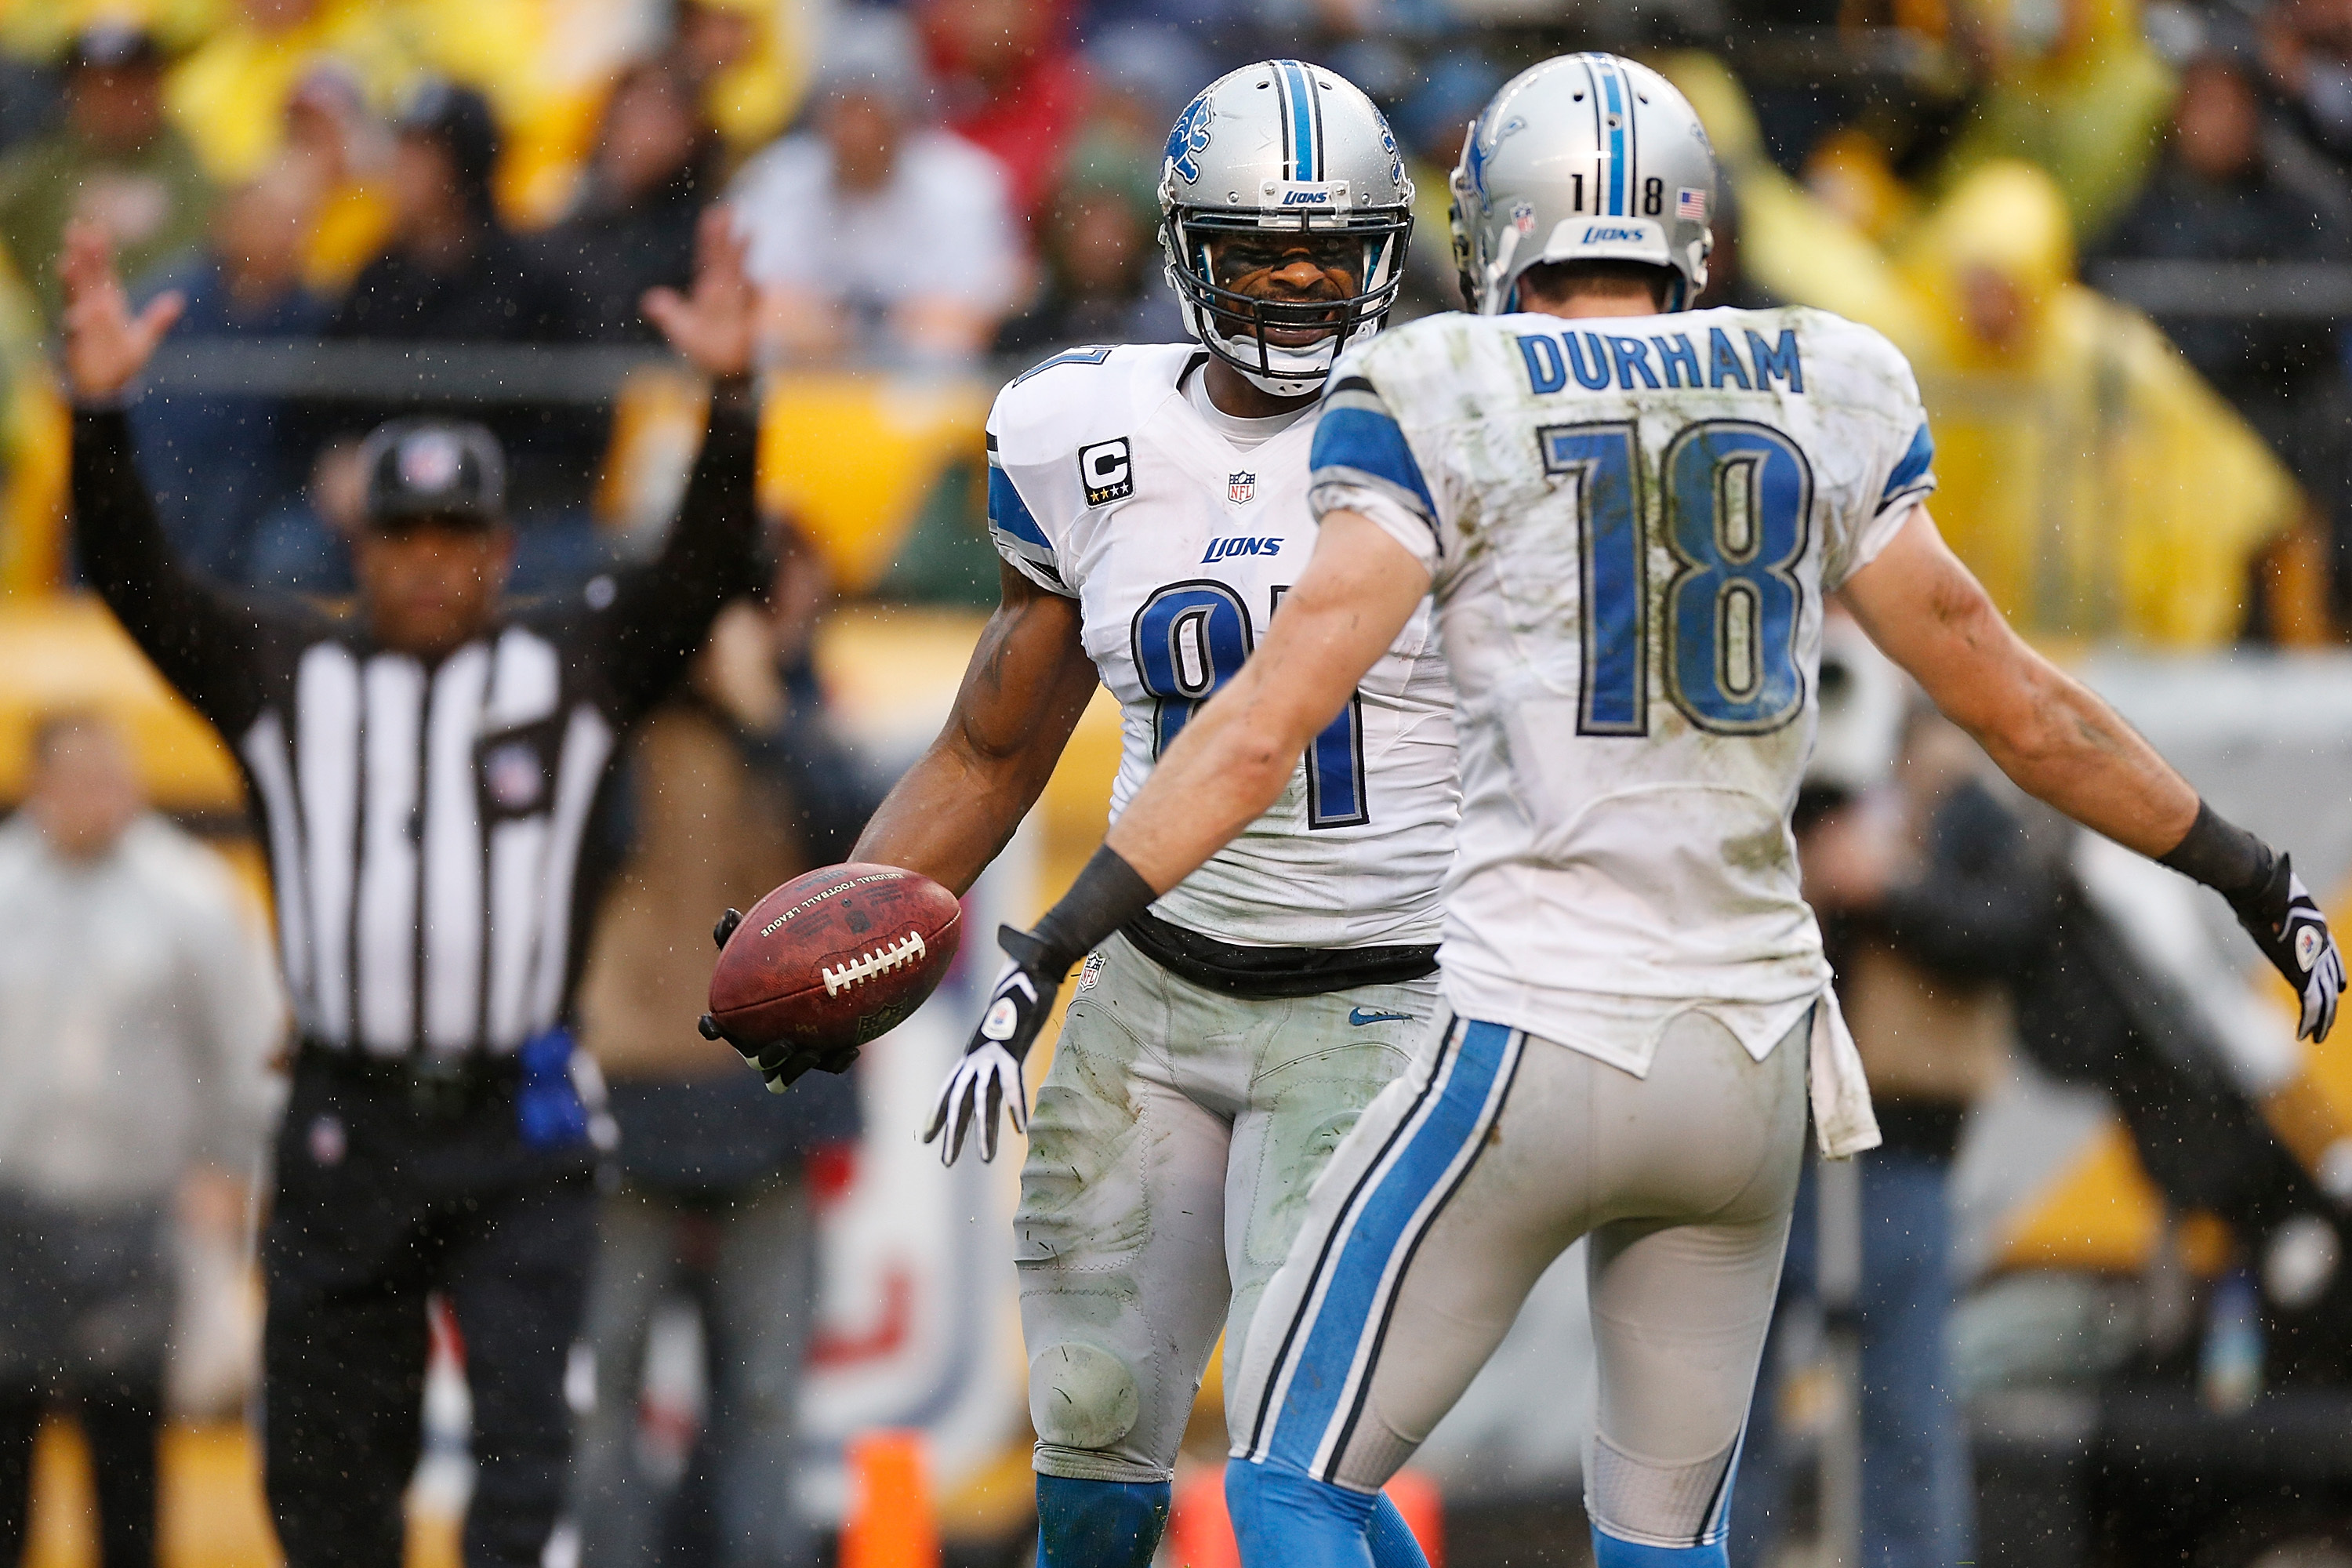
(1108, 894)
(2222, 855)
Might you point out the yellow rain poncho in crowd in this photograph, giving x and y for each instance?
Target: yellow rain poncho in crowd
(229, 94)
(1791, 243)
(33, 429)
(545, 66)
(2095, 483)
(2098, 486)
(2076, 88)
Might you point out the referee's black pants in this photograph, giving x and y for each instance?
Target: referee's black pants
(384, 1195)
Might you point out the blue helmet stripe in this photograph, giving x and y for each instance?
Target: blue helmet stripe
(1304, 155)
(1617, 110)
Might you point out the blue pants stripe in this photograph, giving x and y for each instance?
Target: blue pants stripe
(1384, 1223)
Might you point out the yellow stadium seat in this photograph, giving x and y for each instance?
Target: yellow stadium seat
(68, 652)
(851, 458)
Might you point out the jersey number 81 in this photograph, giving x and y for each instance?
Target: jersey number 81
(1739, 498)
(1188, 639)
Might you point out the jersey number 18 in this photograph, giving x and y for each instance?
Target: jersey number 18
(1737, 501)
(1188, 639)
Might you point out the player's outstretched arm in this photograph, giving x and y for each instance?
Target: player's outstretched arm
(1027, 684)
(2062, 744)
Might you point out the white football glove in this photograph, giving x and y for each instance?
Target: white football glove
(988, 1078)
(2285, 923)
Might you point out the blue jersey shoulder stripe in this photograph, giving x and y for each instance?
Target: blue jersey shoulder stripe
(1008, 513)
(1913, 467)
(1091, 355)
(1369, 441)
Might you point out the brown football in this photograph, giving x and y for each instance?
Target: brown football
(836, 957)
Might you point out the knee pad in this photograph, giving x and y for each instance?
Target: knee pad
(1081, 1396)
(1641, 1503)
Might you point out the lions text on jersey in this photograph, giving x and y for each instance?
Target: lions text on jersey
(1106, 485)
(1630, 524)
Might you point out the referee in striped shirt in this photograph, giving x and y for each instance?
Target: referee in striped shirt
(425, 772)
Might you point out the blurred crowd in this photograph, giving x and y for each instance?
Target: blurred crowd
(930, 186)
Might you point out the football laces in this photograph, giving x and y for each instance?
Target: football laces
(890, 955)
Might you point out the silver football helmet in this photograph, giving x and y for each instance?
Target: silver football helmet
(1582, 158)
(1273, 159)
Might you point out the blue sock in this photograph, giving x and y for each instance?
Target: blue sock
(1284, 1520)
(1391, 1540)
(1099, 1524)
(1608, 1552)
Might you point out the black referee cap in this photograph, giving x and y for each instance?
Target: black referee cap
(447, 470)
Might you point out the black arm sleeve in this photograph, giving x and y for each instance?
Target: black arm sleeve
(661, 611)
(1983, 904)
(205, 642)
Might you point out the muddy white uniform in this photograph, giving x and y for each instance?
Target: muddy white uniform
(1216, 1051)
(1630, 524)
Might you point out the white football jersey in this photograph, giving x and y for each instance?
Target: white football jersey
(1629, 525)
(1106, 485)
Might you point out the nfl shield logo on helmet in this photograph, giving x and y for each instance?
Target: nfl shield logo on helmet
(1523, 217)
(430, 461)
(1241, 488)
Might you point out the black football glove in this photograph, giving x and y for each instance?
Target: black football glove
(988, 1078)
(779, 1062)
(2293, 934)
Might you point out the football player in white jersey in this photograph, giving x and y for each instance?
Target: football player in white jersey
(1151, 506)
(1629, 514)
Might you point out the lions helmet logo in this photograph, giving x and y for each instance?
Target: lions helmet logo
(1189, 139)
(1389, 145)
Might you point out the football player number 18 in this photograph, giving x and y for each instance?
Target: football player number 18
(1736, 504)
(1188, 639)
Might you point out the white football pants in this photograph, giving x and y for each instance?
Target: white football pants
(1171, 1149)
(1463, 1183)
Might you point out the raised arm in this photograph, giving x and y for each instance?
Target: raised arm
(200, 638)
(1027, 684)
(660, 612)
(2062, 744)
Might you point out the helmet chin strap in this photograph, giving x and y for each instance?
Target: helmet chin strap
(1295, 380)
(1280, 382)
